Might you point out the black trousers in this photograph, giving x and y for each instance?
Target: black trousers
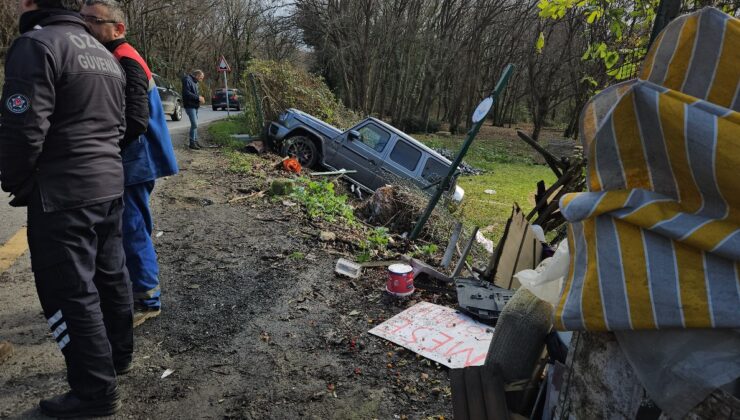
(79, 266)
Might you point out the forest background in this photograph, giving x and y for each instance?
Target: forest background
(415, 63)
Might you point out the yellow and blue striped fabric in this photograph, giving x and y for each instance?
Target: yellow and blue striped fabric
(655, 243)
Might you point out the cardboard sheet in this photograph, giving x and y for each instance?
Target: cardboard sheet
(439, 333)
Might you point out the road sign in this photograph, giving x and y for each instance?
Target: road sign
(223, 66)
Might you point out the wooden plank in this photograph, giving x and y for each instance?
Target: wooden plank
(520, 251)
(474, 388)
(494, 393)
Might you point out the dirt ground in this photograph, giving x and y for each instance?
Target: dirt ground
(255, 324)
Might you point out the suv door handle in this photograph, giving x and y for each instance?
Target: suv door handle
(372, 161)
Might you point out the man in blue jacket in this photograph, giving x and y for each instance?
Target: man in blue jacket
(146, 151)
(192, 101)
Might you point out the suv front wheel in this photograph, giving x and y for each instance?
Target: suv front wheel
(303, 149)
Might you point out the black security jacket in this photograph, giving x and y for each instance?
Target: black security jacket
(62, 115)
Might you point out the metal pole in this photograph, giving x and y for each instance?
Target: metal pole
(257, 102)
(444, 185)
(667, 11)
(226, 88)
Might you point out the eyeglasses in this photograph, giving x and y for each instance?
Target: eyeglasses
(96, 20)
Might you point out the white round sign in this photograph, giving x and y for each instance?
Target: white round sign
(482, 110)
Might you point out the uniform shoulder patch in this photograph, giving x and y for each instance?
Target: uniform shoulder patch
(18, 103)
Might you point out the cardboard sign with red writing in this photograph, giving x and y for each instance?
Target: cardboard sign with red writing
(439, 333)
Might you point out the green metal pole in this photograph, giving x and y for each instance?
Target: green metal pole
(444, 185)
(667, 11)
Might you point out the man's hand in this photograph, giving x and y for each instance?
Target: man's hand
(202, 100)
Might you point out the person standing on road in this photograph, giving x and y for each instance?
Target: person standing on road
(62, 119)
(192, 101)
(146, 151)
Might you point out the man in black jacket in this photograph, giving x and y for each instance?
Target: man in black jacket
(192, 101)
(62, 121)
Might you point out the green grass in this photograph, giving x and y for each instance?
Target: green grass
(222, 130)
(510, 172)
(240, 163)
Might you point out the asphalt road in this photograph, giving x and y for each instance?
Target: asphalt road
(12, 219)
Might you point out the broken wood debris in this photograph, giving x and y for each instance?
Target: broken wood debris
(340, 172)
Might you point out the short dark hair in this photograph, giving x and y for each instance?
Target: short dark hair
(73, 5)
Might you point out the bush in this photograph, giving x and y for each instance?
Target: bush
(322, 202)
(282, 85)
(413, 125)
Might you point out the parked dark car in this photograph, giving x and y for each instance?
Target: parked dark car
(171, 99)
(380, 153)
(218, 100)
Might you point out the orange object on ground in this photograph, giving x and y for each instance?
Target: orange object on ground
(292, 165)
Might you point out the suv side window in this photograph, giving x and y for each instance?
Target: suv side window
(406, 155)
(375, 137)
(434, 170)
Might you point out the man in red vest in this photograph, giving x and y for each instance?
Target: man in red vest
(146, 150)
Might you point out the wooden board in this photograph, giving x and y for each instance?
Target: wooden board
(518, 250)
(478, 393)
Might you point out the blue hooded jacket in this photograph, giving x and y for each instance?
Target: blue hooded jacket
(152, 155)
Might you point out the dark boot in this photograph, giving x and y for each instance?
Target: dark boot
(194, 146)
(198, 145)
(69, 405)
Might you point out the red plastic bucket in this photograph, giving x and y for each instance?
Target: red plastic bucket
(400, 280)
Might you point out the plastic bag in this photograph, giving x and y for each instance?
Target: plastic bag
(547, 279)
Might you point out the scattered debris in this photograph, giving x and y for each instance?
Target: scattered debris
(325, 236)
(482, 299)
(478, 393)
(517, 250)
(421, 267)
(256, 194)
(438, 333)
(340, 172)
(400, 280)
(450, 251)
(348, 268)
(490, 192)
(167, 373)
(292, 165)
(485, 242)
(159, 234)
(464, 168)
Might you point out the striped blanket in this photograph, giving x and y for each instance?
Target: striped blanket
(655, 242)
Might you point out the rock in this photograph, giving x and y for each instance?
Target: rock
(327, 236)
(282, 186)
